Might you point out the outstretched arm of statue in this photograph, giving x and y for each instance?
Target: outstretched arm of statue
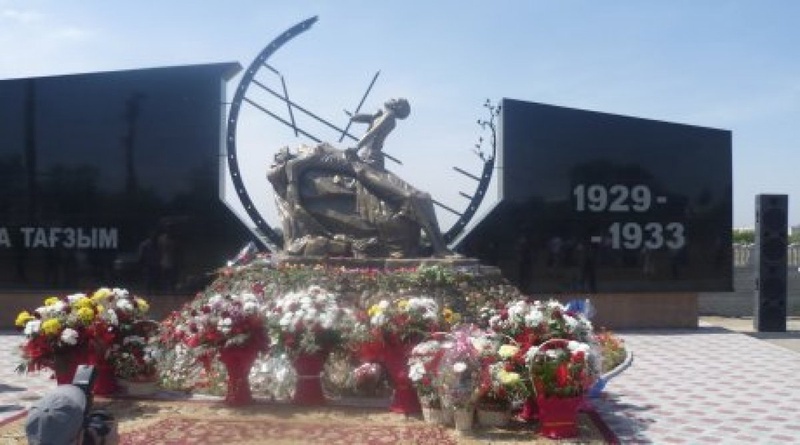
(378, 131)
(362, 118)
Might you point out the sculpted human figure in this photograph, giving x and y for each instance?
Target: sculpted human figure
(380, 125)
(383, 198)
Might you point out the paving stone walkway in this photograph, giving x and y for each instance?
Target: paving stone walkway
(706, 386)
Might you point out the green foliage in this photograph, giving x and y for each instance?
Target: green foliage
(462, 291)
(744, 236)
(748, 236)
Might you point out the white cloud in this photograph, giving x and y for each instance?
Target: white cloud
(21, 17)
(73, 33)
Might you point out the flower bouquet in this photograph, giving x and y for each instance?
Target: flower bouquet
(135, 359)
(531, 323)
(458, 375)
(406, 320)
(58, 335)
(122, 315)
(613, 358)
(134, 363)
(307, 325)
(561, 371)
(500, 384)
(396, 327)
(230, 327)
(423, 366)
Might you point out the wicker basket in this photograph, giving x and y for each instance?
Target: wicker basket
(493, 417)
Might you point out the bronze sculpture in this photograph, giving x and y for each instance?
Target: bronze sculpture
(335, 202)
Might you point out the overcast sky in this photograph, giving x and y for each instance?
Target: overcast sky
(723, 64)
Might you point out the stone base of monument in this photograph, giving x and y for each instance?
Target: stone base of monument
(461, 264)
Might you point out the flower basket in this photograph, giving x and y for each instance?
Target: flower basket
(308, 390)
(500, 380)
(238, 361)
(493, 414)
(493, 418)
(558, 416)
(561, 372)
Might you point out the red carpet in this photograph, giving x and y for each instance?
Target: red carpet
(178, 431)
(146, 422)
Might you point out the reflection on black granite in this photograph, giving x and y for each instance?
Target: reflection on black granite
(593, 202)
(113, 179)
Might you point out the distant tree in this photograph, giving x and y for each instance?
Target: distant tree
(744, 236)
(748, 236)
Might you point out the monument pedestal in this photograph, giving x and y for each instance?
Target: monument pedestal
(471, 265)
(645, 310)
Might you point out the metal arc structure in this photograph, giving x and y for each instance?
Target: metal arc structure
(240, 97)
(474, 201)
(233, 115)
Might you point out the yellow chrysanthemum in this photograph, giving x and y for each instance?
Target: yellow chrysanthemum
(84, 302)
(373, 310)
(49, 301)
(508, 378)
(86, 315)
(402, 304)
(507, 351)
(101, 294)
(142, 304)
(449, 316)
(51, 327)
(23, 318)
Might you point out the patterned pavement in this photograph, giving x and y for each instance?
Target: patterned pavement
(17, 391)
(706, 386)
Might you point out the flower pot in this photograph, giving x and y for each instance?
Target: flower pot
(431, 407)
(448, 416)
(308, 390)
(464, 418)
(530, 412)
(371, 351)
(106, 383)
(404, 399)
(493, 416)
(66, 363)
(432, 414)
(65, 371)
(558, 417)
(137, 388)
(238, 361)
